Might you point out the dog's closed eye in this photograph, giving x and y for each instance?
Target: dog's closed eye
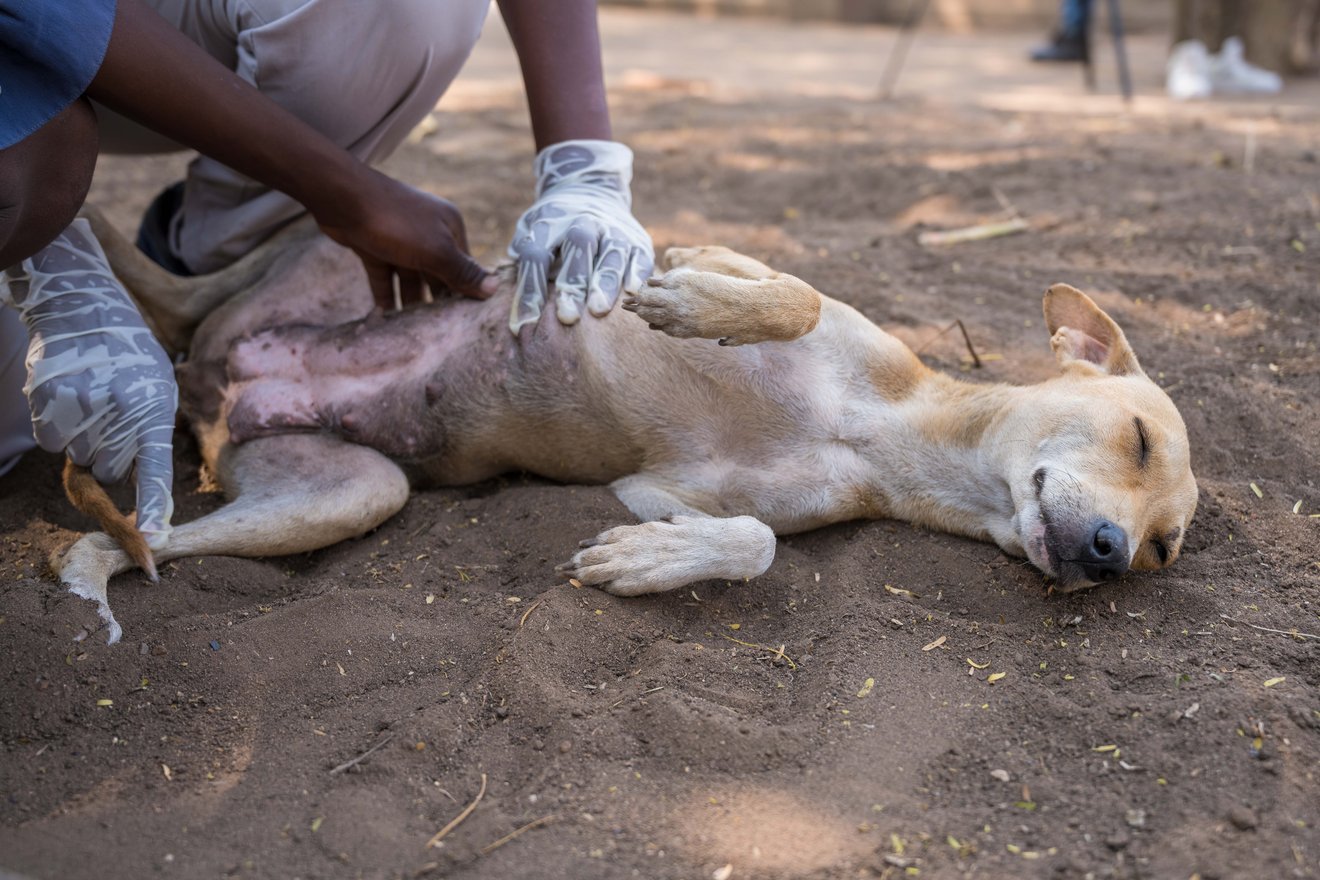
(1143, 446)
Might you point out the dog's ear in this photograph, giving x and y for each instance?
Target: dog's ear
(1081, 332)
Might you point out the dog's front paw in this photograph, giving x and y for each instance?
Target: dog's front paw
(627, 560)
(666, 304)
(664, 555)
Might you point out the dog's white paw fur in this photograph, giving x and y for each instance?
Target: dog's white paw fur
(667, 554)
(666, 303)
(86, 568)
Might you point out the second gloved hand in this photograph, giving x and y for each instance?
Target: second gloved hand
(100, 386)
(581, 227)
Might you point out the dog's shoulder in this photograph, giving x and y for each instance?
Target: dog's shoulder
(875, 356)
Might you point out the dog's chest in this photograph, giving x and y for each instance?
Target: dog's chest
(816, 463)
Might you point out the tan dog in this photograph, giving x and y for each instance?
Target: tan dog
(316, 421)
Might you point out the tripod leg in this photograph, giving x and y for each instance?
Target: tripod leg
(1120, 50)
(898, 54)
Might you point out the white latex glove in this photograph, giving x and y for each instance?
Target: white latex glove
(581, 226)
(100, 386)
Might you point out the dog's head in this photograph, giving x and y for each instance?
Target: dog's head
(1105, 482)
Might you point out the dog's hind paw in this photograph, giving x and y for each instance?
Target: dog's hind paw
(85, 569)
(655, 557)
(113, 631)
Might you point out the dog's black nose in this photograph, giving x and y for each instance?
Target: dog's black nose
(1106, 557)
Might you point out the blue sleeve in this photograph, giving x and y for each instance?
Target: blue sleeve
(49, 52)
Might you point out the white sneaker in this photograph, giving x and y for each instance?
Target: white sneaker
(1189, 71)
(1231, 74)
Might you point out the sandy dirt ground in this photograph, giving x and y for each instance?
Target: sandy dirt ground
(836, 717)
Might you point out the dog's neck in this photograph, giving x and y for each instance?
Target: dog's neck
(958, 458)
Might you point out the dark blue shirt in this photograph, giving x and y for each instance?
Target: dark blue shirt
(49, 52)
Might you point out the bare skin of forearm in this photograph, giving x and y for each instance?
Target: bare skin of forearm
(157, 77)
(558, 48)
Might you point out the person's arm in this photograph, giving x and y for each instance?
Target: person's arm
(558, 48)
(582, 219)
(154, 75)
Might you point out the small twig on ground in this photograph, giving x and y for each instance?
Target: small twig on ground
(528, 612)
(618, 703)
(491, 847)
(979, 232)
(1283, 632)
(777, 652)
(927, 344)
(1009, 208)
(976, 359)
(1249, 150)
(362, 757)
(467, 811)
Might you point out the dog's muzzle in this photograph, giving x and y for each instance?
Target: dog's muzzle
(1103, 557)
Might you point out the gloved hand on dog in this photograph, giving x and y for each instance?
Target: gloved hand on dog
(100, 386)
(581, 223)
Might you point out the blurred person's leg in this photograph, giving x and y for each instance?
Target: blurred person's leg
(1306, 38)
(1070, 41)
(1263, 28)
(364, 74)
(1075, 16)
(1213, 21)
(1211, 40)
(1187, 72)
(1187, 20)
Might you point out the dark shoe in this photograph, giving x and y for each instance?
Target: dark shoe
(153, 237)
(1062, 48)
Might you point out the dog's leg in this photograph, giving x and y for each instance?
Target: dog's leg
(678, 546)
(290, 494)
(174, 305)
(714, 293)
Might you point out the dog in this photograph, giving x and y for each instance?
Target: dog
(760, 408)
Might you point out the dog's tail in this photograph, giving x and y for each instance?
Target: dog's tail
(90, 497)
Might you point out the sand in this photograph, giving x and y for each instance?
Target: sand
(1151, 728)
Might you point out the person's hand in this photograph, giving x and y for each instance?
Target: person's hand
(100, 386)
(405, 233)
(581, 224)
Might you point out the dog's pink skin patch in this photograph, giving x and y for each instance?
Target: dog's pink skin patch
(444, 386)
(376, 381)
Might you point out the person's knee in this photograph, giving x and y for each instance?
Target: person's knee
(308, 55)
(426, 31)
(44, 180)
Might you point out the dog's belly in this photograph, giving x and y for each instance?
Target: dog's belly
(364, 382)
(445, 388)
